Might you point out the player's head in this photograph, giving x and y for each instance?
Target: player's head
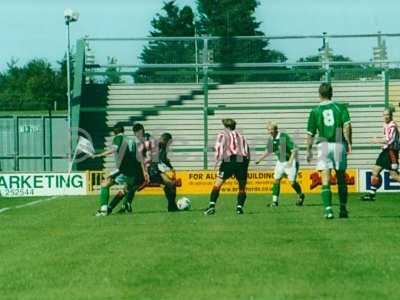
(388, 114)
(166, 138)
(272, 128)
(118, 128)
(325, 91)
(229, 123)
(138, 130)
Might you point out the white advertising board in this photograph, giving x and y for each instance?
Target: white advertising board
(42, 184)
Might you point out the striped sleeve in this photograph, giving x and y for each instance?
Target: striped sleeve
(390, 133)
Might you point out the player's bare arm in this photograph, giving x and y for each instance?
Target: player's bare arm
(292, 156)
(266, 154)
(309, 143)
(145, 173)
(348, 135)
(105, 153)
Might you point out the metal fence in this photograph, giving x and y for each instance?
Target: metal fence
(33, 143)
(196, 56)
(207, 68)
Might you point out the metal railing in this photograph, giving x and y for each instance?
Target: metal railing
(207, 70)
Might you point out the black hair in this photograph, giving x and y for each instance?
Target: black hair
(229, 123)
(325, 90)
(166, 136)
(118, 128)
(137, 127)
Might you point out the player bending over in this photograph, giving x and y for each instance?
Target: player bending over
(331, 120)
(287, 163)
(232, 157)
(159, 165)
(129, 171)
(156, 163)
(389, 156)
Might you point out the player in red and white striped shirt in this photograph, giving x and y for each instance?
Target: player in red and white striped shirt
(389, 156)
(232, 156)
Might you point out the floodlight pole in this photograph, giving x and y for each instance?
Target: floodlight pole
(70, 16)
(67, 22)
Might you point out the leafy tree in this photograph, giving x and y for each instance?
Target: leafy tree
(224, 18)
(61, 82)
(112, 73)
(315, 73)
(229, 18)
(33, 86)
(172, 22)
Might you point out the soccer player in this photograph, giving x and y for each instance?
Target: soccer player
(331, 120)
(141, 177)
(388, 158)
(129, 171)
(159, 165)
(232, 157)
(287, 163)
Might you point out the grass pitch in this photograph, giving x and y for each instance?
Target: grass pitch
(59, 250)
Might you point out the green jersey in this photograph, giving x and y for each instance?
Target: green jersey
(328, 118)
(125, 155)
(282, 145)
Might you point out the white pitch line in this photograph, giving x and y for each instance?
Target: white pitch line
(4, 209)
(28, 204)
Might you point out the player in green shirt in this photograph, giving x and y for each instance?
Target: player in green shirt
(331, 120)
(287, 163)
(129, 171)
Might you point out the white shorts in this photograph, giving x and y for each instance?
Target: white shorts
(282, 168)
(331, 156)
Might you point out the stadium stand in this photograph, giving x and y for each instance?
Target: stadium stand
(179, 110)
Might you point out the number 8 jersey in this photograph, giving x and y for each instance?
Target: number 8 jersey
(328, 118)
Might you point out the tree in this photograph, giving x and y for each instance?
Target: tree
(315, 73)
(172, 22)
(229, 18)
(112, 73)
(61, 82)
(33, 86)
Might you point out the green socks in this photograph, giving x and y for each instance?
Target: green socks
(104, 195)
(276, 188)
(326, 196)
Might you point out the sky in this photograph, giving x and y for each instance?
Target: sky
(35, 29)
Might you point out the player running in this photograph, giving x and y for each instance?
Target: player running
(331, 120)
(287, 163)
(389, 156)
(129, 171)
(232, 157)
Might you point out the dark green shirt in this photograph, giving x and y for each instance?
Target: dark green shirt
(126, 159)
(282, 145)
(328, 119)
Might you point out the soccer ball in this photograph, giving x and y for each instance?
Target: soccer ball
(184, 203)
